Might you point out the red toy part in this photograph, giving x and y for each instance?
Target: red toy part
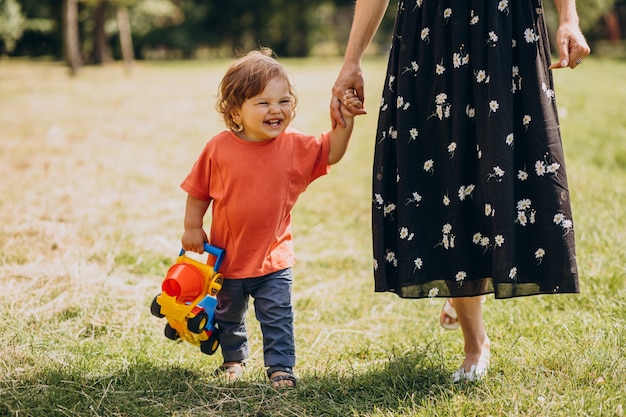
(183, 281)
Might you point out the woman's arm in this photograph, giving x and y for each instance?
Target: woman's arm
(367, 17)
(571, 43)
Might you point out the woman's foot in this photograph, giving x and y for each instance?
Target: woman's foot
(475, 364)
(448, 318)
(230, 371)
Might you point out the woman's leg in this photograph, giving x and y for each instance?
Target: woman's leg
(477, 345)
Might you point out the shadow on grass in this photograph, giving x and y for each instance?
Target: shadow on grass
(398, 385)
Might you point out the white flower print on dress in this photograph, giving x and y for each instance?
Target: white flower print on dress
(451, 149)
(416, 198)
(413, 133)
(481, 76)
(517, 80)
(413, 68)
(404, 234)
(440, 68)
(526, 121)
(375, 264)
(546, 166)
(539, 254)
(393, 133)
(540, 168)
(489, 211)
(392, 78)
(498, 240)
(391, 258)
(513, 273)
(400, 103)
(429, 166)
(389, 209)
(418, 264)
(525, 213)
(522, 175)
(465, 191)
(447, 13)
(446, 200)
(530, 36)
(378, 199)
(442, 107)
(447, 241)
(492, 40)
(481, 240)
(432, 293)
(474, 18)
(425, 34)
(497, 173)
(493, 106)
(547, 91)
(564, 222)
(460, 58)
(460, 276)
(509, 139)
(383, 105)
(418, 3)
(470, 111)
(503, 6)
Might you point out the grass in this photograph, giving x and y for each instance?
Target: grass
(91, 216)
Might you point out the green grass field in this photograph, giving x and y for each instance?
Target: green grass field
(91, 217)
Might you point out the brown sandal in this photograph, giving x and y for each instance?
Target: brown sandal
(278, 374)
(230, 371)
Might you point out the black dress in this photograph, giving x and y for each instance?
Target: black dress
(470, 194)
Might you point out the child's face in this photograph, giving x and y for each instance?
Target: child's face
(267, 114)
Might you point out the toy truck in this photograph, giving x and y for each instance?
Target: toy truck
(188, 301)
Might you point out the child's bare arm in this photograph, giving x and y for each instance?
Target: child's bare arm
(194, 235)
(340, 135)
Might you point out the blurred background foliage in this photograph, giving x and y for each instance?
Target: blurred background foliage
(91, 31)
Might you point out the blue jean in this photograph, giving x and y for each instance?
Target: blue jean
(273, 309)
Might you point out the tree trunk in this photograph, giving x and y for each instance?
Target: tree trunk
(126, 41)
(101, 52)
(71, 42)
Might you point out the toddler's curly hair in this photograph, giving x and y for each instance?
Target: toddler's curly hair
(248, 77)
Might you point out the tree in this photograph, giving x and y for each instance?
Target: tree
(101, 51)
(71, 41)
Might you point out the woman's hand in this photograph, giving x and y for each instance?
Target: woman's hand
(573, 47)
(350, 78)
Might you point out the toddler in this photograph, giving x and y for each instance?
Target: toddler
(252, 174)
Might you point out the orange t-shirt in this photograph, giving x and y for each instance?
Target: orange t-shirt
(253, 186)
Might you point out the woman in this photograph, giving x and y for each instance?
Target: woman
(470, 193)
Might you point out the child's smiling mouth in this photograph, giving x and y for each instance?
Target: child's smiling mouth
(275, 123)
